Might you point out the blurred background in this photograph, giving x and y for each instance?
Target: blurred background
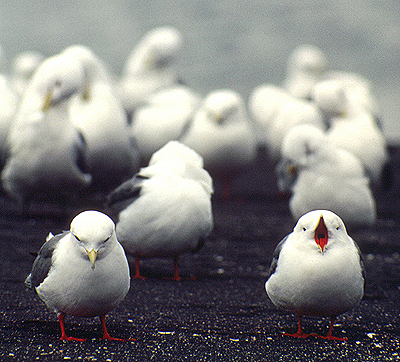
(233, 43)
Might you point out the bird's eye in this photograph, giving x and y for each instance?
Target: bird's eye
(108, 238)
(77, 238)
(304, 229)
(338, 227)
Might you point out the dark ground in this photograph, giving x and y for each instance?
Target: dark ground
(222, 315)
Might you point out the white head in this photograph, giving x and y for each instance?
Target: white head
(55, 80)
(157, 50)
(320, 230)
(330, 96)
(308, 59)
(304, 144)
(224, 107)
(95, 234)
(176, 150)
(94, 69)
(25, 63)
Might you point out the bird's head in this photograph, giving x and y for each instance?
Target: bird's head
(60, 78)
(321, 228)
(95, 233)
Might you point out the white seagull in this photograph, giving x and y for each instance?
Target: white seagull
(316, 270)
(150, 67)
(162, 118)
(324, 177)
(362, 136)
(98, 113)
(222, 134)
(306, 66)
(275, 112)
(46, 153)
(24, 66)
(83, 272)
(168, 208)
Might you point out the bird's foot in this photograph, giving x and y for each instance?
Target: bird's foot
(329, 337)
(139, 277)
(296, 335)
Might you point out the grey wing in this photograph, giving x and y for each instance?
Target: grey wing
(127, 191)
(81, 153)
(275, 256)
(42, 263)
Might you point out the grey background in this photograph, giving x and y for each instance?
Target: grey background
(233, 43)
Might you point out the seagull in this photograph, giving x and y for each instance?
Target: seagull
(98, 113)
(167, 208)
(321, 175)
(24, 66)
(275, 112)
(163, 117)
(221, 132)
(370, 145)
(82, 272)
(306, 66)
(46, 154)
(150, 67)
(316, 270)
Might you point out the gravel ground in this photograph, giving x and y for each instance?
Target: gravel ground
(220, 311)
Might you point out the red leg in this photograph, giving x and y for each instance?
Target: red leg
(299, 333)
(137, 269)
(107, 336)
(64, 337)
(176, 270)
(329, 335)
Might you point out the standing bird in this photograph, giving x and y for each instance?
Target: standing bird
(275, 112)
(151, 66)
(167, 207)
(162, 118)
(46, 153)
(82, 272)
(324, 177)
(221, 133)
(316, 270)
(98, 113)
(306, 66)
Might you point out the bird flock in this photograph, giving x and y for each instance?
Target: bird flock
(152, 147)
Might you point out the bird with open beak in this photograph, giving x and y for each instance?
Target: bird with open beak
(316, 270)
(82, 272)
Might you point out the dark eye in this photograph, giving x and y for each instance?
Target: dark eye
(337, 228)
(108, 238)
(304, 229)
(77, 238)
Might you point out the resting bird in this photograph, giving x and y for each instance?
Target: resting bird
(46, 154)
(98, 113)
(316, 270)
(167, 208)
(306, 66)
(162, 118)
(325, 177)
(82, 272)
(275, 112)
(150, 67)
(221, 133)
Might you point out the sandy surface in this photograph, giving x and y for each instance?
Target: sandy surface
(220, 311)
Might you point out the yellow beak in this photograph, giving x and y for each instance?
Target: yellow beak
(92, 257)
(47, 101)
